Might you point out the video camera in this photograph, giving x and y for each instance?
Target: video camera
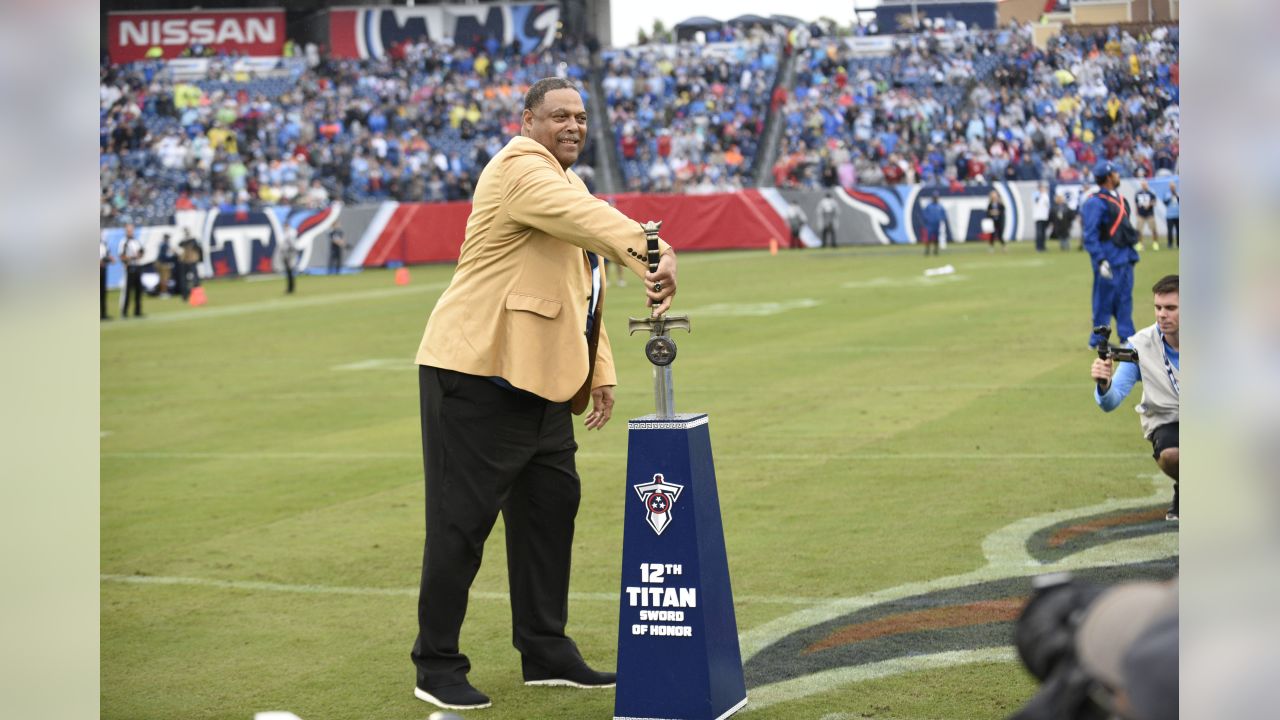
(1107, 351)
(1045, 637)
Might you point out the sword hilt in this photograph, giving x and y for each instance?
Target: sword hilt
(651, 240)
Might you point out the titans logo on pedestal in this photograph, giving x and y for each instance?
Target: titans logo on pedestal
(658, 498)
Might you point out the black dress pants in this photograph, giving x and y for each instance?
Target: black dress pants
(1042, 229)
(335, 259)
(102, 292)
(132, 289)
(487, 449)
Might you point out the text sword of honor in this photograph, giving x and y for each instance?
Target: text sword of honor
(661, 349)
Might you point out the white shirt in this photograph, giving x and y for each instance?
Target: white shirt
(1041, 202)
(131, 251)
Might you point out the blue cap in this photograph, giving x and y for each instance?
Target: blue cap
(1102, 170)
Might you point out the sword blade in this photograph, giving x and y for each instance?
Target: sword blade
(664, 391)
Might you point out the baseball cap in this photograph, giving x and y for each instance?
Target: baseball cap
(1103, 169)
(1115, 620)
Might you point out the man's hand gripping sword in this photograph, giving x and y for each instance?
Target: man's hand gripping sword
(661, 349)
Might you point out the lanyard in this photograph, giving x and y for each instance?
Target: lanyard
(1168, 366)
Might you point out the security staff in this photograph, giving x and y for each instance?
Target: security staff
(1172, 214)
(935, 219)
(131, 253)
(1041, 203)
(104, 260)
(337, 244)
(1109, 238)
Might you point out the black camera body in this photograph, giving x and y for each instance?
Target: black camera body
(1045, 637)
(1107, 351)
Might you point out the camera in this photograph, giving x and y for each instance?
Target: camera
(1107, 351)
(1045, 637)
(1100, 652)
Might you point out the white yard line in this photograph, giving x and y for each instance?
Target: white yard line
(321, 456)
(306, 589)
(293, 303)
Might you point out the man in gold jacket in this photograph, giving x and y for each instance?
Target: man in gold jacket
(515, 344)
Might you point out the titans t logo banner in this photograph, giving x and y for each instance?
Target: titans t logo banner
(658, 497)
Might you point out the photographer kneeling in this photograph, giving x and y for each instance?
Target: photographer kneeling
(1157, 368)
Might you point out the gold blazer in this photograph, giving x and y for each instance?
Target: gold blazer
(517, 305)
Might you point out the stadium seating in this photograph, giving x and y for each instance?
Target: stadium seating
(419, 127)
(687, 118)
(952, 105)
(982, 106)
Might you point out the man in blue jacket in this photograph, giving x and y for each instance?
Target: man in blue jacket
(935, 219)
(1109, 237)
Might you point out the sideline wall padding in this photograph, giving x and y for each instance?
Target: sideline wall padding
(433, 232)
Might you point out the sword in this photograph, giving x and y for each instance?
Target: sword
(661, 349)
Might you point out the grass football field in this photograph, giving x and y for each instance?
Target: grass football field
(895, 455)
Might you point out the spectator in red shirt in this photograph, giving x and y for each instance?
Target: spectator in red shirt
(779, 98)
(892, 173)
(664, 144)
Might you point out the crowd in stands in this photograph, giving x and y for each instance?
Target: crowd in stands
(947, 105)
(689, 118)
(962, 106)
(416, 126)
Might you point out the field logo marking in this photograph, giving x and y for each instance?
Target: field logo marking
(959, 619)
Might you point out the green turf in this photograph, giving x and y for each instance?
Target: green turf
(870, 434)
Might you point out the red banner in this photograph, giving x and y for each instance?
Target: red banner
(433, 232)
(130, 35)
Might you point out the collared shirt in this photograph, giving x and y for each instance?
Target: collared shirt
(594, 261)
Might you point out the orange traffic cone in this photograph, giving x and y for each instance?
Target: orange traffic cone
(402, 276)
(773, 246)
(197, 297)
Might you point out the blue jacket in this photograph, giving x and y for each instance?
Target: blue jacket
(1096, 218)
(934, 218)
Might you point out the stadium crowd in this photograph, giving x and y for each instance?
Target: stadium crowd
(688, 118)
(418, 125)
(949, 104)
(980, 106)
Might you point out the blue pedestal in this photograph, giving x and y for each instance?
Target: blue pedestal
(678, 655)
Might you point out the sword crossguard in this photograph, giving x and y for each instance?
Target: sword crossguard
(659, 325)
